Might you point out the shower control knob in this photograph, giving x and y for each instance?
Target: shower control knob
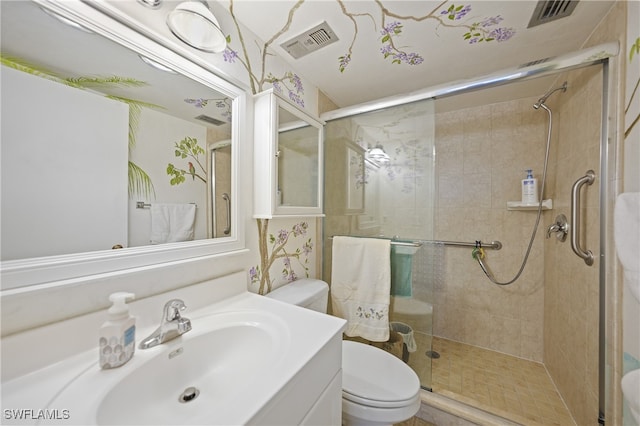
(560, 228)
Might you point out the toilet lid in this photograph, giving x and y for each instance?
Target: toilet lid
(371, 376)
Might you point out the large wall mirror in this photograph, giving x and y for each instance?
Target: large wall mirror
(116, 152)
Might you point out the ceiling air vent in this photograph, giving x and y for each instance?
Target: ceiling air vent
(309, 41)
(210, 120)
(550, 10)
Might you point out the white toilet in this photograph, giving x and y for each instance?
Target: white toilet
(377, 387)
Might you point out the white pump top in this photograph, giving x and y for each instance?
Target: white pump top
(119, 309)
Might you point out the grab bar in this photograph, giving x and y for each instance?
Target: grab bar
(588, 179)
(227, 229)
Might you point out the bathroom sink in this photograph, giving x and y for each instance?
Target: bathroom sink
(197, 378)
(248, 359)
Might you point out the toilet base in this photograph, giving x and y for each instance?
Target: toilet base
(352, 421)
(361, 415)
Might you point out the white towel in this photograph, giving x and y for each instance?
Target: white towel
(361, 286)
(626, 224)
(172, 222)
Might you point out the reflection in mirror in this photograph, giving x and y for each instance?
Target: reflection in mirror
(220, 178)
(356, 179)
(298, 157)
(102, 147)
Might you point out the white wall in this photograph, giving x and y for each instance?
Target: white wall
(631, 307)
(632, 103)
(46, 209)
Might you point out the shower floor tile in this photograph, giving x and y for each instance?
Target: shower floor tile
(512, 387)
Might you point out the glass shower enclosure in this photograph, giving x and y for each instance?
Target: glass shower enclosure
(438, 176)
(381, 167)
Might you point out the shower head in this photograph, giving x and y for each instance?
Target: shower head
(543, 99)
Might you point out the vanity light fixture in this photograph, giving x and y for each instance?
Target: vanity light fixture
(377, 154)
(194, 24)
(153, 4)
(156, 65)
(66, 21)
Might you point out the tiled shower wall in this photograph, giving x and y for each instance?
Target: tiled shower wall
(572, 287)
(571, 327)
(550, 314)
(481, 157)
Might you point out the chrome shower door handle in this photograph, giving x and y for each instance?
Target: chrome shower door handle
(227, 199)
(588, 179)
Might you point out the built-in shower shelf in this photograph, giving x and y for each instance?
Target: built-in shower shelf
(519, 205)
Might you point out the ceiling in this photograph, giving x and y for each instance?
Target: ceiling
(425, 47)
(49, 46)
(436, 44)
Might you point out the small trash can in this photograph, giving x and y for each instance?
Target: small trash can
(408, 341)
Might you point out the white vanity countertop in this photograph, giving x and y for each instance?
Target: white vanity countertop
(55, 387)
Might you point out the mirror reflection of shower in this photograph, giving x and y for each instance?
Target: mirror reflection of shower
(220, 170)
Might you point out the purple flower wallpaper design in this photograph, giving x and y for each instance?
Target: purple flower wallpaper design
(452, 17)
(278, 246)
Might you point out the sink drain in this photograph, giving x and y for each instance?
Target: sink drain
(189, 394)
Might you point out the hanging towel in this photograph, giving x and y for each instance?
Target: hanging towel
(172, 222)
(626, 224)
(401, 272)
(361, 284)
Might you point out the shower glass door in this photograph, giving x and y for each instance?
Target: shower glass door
(379, 182)
(531, 351)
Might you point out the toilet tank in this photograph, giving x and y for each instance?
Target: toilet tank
(307, 292)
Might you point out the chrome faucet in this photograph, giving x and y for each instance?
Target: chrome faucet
(172, 325)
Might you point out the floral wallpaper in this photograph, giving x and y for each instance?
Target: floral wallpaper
(285, 253)
(291, 246)
(241, 50)
(486, 30)
(409, 164)
(222, 105)
(260, 77)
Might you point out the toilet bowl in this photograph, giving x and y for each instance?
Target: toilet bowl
(377, 388)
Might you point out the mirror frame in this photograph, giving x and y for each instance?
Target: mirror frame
(305, 120)
(267, 128)
(27, 274)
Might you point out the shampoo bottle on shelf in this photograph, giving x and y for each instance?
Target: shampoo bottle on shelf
(529, 189)
(117, 341)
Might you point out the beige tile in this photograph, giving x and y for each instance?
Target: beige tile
(498, 381)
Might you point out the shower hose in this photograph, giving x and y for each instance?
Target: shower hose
(478, 253)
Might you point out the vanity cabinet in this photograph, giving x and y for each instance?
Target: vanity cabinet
(288, 159)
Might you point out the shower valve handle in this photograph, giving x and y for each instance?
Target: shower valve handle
(561, 228)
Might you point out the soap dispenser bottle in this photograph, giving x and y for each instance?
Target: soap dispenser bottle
(117, 340)
(530, 189)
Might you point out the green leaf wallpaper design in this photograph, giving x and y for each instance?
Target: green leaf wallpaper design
(187, 148)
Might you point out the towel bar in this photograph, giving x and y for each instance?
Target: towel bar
(495, 245)
(143, 205)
